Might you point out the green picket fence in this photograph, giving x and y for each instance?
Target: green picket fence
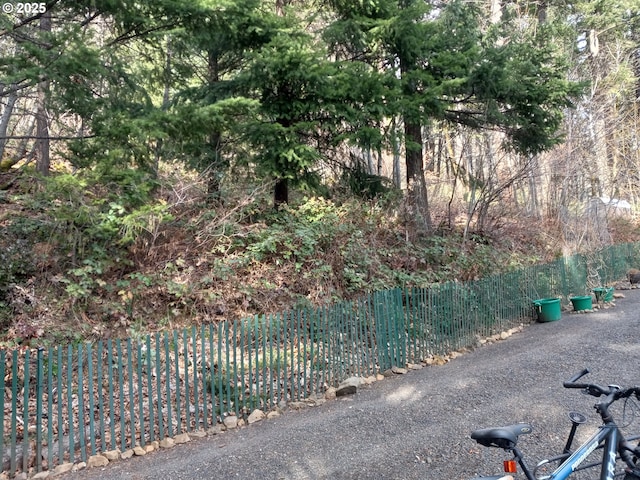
(66, 403)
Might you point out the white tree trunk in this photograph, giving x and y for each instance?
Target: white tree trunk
(42, 118)
(12, 97)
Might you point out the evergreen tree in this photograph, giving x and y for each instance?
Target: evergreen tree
(293, 82)
(207, 52)
(443, 66)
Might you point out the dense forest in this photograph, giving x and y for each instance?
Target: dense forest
(181, 161)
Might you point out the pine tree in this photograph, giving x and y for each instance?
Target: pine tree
(442, 65)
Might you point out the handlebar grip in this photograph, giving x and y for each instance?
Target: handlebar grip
(571, 382)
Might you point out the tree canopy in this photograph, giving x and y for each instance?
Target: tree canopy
(279, 88)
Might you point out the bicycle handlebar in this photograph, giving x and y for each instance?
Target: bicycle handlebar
(613, 391)
(571, 383)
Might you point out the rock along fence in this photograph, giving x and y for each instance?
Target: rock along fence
(68, 403)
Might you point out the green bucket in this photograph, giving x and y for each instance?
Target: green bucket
(609, 296)
(604, 294)
(548, 309)
(582, 303)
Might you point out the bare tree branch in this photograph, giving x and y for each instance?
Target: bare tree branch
(31, 19)
(54, 138)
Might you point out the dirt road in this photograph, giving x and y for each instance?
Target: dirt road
(416, 426)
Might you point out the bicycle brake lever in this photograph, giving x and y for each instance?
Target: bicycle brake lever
(594, 392)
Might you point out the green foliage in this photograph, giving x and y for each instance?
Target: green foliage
(16, 263)
(229, 83)
(321, 241)
(129, 226)
(82, 280)
(291, 78)
(453, 70)
(191, 123)
(81, 218)
(365, 185)
(89, 232)
(297, 233)
(523, 84)
(235, 91)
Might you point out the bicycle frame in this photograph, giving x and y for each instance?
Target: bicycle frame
(610, 435)
(608, 438)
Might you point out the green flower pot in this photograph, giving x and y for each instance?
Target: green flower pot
(548, 309)
(583, 302)
(604, 294)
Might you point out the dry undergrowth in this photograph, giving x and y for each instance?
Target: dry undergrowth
(193, 262)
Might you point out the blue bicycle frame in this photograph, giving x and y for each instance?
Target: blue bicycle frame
(609, 438)
(607, 433)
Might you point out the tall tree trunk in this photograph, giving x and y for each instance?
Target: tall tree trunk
(280, 5)
(413, 147)
(417, 197)
(215, 139)
(416, 184)
(281, 188)
(636, 70)
(281, 192)
(43, 162)
(12, 97)
(534, 174)
(370, 169)
(214, 173)
(397, 178)
(165, 104)
(496, 11)
(542, 11)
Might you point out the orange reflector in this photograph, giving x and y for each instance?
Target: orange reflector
(510, 466)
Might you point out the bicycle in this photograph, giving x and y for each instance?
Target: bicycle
(608, 437)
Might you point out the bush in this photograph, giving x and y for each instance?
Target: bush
(16, 263)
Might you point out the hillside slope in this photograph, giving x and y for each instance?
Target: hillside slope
(76, 265)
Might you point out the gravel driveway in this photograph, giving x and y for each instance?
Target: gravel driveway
(416, 426)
